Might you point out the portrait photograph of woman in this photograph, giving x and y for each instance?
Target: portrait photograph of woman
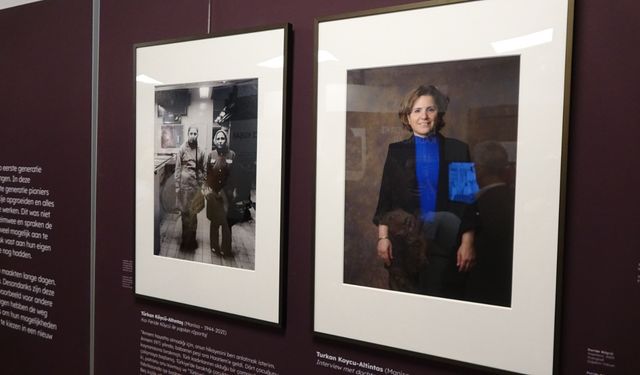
(430, 178)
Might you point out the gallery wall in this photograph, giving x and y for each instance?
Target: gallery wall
(45, 100)
(45, 97)
(601, 292)
(122, 25)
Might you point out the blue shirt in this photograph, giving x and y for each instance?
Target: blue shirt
(427, 169)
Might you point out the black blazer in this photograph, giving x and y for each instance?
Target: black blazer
(399, 186)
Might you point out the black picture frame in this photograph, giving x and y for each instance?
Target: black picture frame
(433, 38)
(219, 283)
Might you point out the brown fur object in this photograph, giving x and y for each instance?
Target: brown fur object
(410, 248)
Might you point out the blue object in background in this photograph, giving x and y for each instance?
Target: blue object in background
(463, 185)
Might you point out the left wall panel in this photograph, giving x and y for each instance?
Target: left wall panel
(45, 186)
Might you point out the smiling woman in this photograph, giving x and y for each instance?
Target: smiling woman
(424, 238)
(422, 109)
(423, 116)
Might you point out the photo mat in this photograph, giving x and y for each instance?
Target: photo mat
(234, 111)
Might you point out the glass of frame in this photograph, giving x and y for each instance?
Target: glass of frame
(210, 128)
(443, 241)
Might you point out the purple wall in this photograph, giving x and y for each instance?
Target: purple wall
(122, 25)
(602, 252)
(45, 100)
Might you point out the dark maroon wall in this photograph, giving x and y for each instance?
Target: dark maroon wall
(45, 106)
(123, 24)
(602, 253)
(51, 41)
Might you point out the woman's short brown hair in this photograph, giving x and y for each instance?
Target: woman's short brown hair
(440, 99)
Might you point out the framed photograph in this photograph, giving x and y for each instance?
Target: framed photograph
(441, 146)
(210, 146)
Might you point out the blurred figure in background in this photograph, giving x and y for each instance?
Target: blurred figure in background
(490, 281)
